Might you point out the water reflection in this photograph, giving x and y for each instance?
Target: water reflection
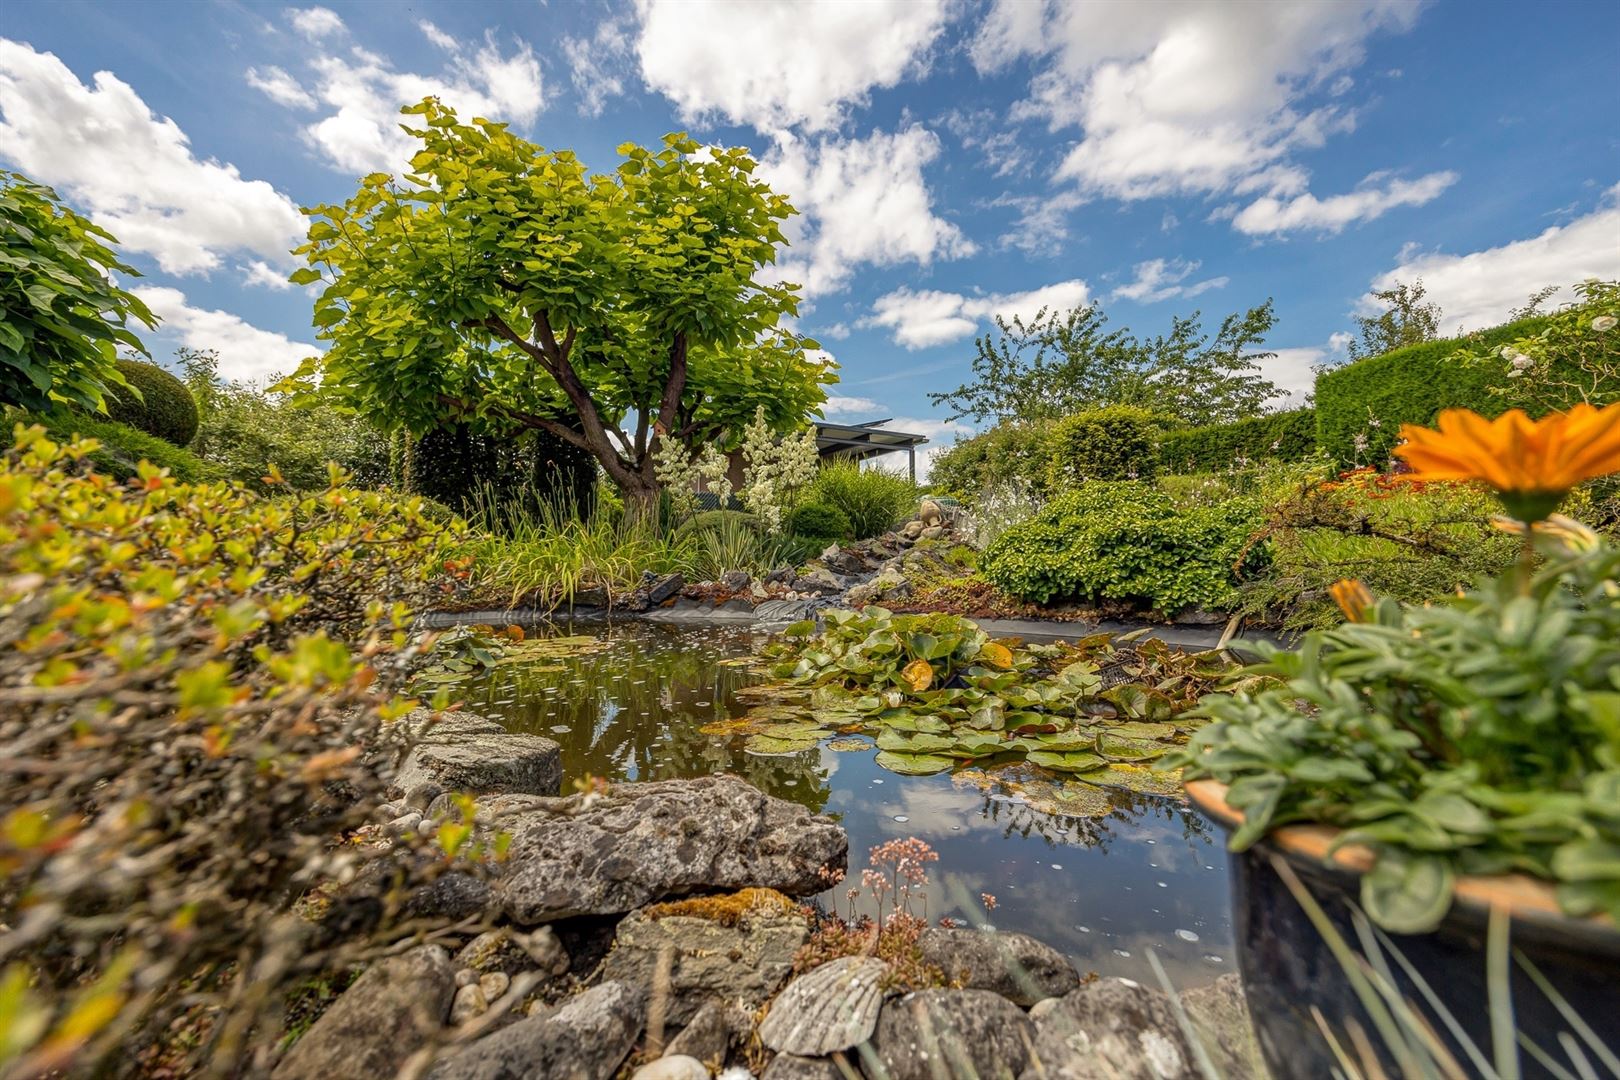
(1148, 873)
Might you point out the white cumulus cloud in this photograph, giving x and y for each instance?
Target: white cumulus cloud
(1478, 289)
(791, 63)
(280, 87)
(918, 319)
(1160, 279)
(942, 435)
(316, 22)
(132, 171)
(1330, 215)
(596, 64)
(245, 351)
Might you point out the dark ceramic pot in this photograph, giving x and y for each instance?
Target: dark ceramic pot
(1289, 971)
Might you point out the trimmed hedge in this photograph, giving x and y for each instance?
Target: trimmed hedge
(820, 522)
(1409, 386)
(1115, 442)
(122, 447)
(165, 407)
(1280, 436)
(1012, 451)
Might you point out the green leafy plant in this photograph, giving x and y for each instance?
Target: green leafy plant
(821, 523)
(1570, 356)
(1474, 737)
(62, 320)
(120, 449)
(873, 500)
(1279, 436)
(1118, 442)
(738, 543)
(163, 407)
(1011, 454)
(1128, 542)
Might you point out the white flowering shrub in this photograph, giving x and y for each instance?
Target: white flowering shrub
(680, 473)
(775, 470)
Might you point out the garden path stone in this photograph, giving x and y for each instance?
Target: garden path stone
(586, 1039)
(968, 1032)
(609, 853)
(389, 1013)
(467, 753)
(1016, 966)
(1115, 1029)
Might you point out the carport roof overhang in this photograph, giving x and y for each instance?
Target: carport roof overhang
(861, 441)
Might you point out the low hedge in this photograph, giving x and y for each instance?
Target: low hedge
(1115, 442)
(122, 447)
(1280, 436)
(1375, 396)
(165, 407)
(820, 522)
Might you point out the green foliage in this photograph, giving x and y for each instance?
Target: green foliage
(164, 407)
(1564, 358)
(502, 282)
(1279, 436)
(1479, 736)
(1405, 320)
(709, 520)
(181, 677)
(873, 500)
(121, 448)
(820, 522)
(935, 691)
(1012, 452)
(62, 320)
(244, 429)
(1128, 541)
(505, 473)
(1060, 363)
(1113, 443)
(739, 542)
(1361, 406)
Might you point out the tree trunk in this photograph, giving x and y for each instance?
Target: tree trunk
(640, 501)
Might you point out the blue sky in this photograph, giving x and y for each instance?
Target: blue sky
(952, 160)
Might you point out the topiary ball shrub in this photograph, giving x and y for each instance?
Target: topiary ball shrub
(819, 522)
(1119, 442)
(1129, 541)
(164, 408)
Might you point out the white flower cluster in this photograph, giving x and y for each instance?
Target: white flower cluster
(680, 473)
(774, 470)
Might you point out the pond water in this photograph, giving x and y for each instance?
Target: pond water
(1148, 874)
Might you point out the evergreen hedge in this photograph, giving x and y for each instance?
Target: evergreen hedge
(122, 447)
(1280, 436)
(165, 407)
(1409, 386)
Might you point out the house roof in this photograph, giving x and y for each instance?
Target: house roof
(863, 440)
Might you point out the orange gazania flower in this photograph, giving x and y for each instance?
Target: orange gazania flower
(1353, 598)
(1532, 464)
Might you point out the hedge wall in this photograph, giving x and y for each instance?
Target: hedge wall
(1408, 386)
(1281, 436)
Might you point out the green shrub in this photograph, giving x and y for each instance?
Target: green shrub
(122, 447)
(1128, 541)
(1011, 453)
(874, 501)
(1360, 407)
(708, 520)
(197, 673)
(165, 407)
(818, 521)
(1280, 436)
(1112, 443)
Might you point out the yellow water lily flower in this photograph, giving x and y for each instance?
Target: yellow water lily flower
(1532, 464)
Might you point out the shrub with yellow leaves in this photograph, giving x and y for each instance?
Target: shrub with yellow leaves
(196, 690)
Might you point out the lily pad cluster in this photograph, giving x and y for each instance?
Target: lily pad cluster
(934, 692)
(468, 651)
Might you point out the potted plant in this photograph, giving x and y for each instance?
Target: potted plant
(1426, 765)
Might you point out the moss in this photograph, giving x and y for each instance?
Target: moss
(726, 910)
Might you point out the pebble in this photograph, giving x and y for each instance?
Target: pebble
(466, 977)
(469, 1004)
(404, 824)
(901, 818)
(672, 1067)
(494, 984)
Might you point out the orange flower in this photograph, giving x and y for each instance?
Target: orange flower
(1532, 464)
(1353, 598)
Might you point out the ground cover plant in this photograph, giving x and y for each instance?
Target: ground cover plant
(935, 692)
(190, 678)
(1476, 736)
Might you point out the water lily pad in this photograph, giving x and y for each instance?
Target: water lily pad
(736, 725)
(1137, 778)
(847, 743)
(974, 744)
(777, 713)
(800, 730)
(1142, 729)
(1066, 798)
(1072, 761)
(913, 764)
(1118, 749)
(914, 742)
(770, 746)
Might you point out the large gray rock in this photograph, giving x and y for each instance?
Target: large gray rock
(746, 961)
(1016, 966)
(969, 1032)
(1220, 1015)
(587, 1039)
(601, 854)
(709, 1034)
(793, 1067)
(463, 752)
(1112, 1028)
(820, 580)
(388, 1014)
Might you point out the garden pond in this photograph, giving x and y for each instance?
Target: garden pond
(1103, 875)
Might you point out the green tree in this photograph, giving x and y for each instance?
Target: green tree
(1405, 320)
(499, 282)
(1060, 363)
(61, 317)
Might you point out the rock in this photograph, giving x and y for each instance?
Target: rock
(511, 952)
(595, 596)
(1042, 1008)
(971, 1032)
(389, 1013)
(664, 588)
(494, 984)
(830, 1008)
(709, 1034)
(758, 592)
(735, 580)
(466, 977)
(451, 896)
(403, 825)
(782, 611)
(912, 530)
(933, 532)
(821, 580)
(469, 1004)
(1220, 1015)
(672, 1067)
(421, 796)
(794, 1067)
(745, 961)
(783, 574)
(1111, 1028)
(1196, 616)
(601, 854)
(484, 762)
(586, 1039)
(930, 512)
(1016, 966)
(886, 584)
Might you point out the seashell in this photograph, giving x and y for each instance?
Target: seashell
(831, 1008)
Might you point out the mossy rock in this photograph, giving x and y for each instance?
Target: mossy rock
(164, 406)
